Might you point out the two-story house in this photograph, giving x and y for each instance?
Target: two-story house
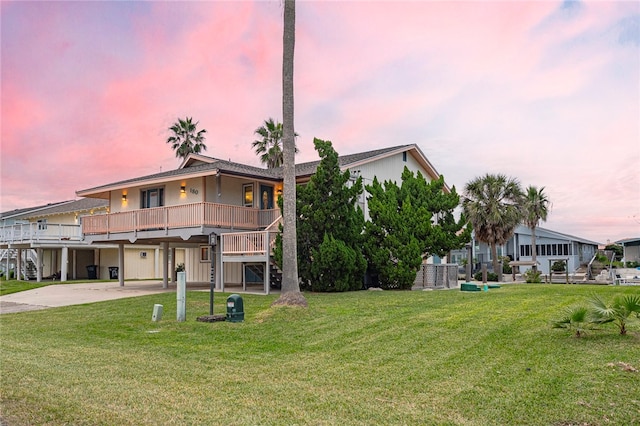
(218, 217)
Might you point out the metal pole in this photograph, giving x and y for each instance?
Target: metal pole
(212, 277)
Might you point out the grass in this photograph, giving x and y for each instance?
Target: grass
(361, 358)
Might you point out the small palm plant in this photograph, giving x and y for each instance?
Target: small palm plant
(617, 312)
(575, 318)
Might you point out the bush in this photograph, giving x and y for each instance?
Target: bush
(532, 276)
(336, 267)
(558, 266)
(490, 276)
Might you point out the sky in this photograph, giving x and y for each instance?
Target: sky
(546, 92)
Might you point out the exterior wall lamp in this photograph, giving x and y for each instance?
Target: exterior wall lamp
(183, 189)
(124, 198)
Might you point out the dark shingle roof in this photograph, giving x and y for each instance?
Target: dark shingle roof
(20, 212)
(229, 167)
(83, 204)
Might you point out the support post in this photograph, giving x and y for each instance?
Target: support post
(64, 264)
(469, 260)
(121, 264)
(165, 264)
(39, 264)
(18, 265)
(172, 265)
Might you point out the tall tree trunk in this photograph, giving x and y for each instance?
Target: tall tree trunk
(494, 257)
(533, 248)
(290, 294)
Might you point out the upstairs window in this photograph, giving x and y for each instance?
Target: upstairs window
(247, 199)
(152, 198)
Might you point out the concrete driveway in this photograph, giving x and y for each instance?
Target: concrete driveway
(76, 294)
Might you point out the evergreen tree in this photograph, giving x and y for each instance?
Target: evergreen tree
(408, 224)
(329, 227)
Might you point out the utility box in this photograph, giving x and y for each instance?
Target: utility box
(235, 308)
(157, 313)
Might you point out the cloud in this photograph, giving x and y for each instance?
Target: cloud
(544, 91)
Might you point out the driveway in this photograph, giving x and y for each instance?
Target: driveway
(76, 294)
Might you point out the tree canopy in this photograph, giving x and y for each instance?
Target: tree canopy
(493, 205)
(269, 146)
(329, 226)
(186, 138)
(408, 224)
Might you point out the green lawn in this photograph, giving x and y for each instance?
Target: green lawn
(362, 358)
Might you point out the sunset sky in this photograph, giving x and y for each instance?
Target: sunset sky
(547, 92)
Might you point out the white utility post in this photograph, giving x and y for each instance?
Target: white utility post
(182, 296)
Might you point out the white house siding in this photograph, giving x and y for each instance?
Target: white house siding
(135, 266)
(387, 169)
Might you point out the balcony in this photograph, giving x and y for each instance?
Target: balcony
(39, 233)
(193, 215)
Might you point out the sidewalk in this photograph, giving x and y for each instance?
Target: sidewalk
(76, 294)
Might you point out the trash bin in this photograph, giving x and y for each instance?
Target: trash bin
(235, 308)
(113, 272)
(92, 271)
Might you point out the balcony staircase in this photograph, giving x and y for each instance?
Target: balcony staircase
(29, 258)
(255, 274)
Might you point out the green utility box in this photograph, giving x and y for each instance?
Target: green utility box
(469, 287)
(235, 308)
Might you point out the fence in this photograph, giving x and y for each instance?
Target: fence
(437, 276)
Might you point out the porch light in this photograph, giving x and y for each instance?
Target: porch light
(124, 198)
(183, 189)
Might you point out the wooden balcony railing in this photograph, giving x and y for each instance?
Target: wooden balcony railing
(39, 232)
(183, 216)
(248, 243)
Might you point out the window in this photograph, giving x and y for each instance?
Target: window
(205, 254)
(152, 198)
(42, 224)
(247, 190)
(404, 156)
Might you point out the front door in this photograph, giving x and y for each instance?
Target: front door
(266, 197)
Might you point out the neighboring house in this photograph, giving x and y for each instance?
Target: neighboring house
(51, 236)
(46, 241)
(221, 215)
(550, 246)
(630, 249)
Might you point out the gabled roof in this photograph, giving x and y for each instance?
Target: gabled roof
(77, 206)
(72, 206)
(195, 165)
(21, 212)
(629, 241)
(540, 232)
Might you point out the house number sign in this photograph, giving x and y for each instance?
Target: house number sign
(193, 191)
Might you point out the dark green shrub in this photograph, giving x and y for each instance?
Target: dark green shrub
(558, 266)
(532, 276)
(506, 269)
(336, 267)
(490, 276)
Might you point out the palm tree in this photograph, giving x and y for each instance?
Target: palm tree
(492, 205)
(617, 312)
(536, 208)
(269, 148)
(290, 293)
(186, 139)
